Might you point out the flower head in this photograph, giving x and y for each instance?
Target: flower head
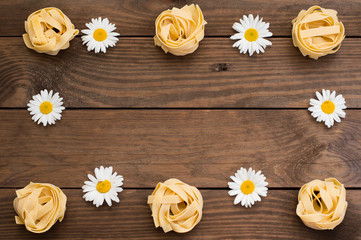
(247, 186)
(251, 34)
(104, 186)
(45, 107)
(328, 108)
(99, 35)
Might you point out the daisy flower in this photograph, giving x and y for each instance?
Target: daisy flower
(45, 107)
(99, 35)
(251, 34)
(248, 186)
(105, 185)
(328, 108)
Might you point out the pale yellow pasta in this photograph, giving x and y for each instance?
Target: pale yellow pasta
(317, 32)
(39, 206)
(322, 204)
(176, 206)
(48, 30)
(179, 31)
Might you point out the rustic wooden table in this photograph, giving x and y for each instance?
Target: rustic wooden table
(198, 118)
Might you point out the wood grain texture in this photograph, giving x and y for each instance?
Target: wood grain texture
(204, 147)
(136, 17)
(273, 218)
(137, 74)
(201, 147)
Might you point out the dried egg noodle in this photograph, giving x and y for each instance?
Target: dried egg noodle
(317, 32)
(176, 206)
(322, 204)
(179, 31)
(49, 30)
(39, 206)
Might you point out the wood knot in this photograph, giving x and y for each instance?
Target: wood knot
(219, 67)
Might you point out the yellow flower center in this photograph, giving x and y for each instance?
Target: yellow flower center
(46, 107)
(100, 35)
(328, 107)
(104, 186)
(251, 35)
(247, 187)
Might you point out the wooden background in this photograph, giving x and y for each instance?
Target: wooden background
(198, 118)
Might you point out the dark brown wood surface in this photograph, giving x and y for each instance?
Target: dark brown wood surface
(199, 118)
(201, 146)
(216, 75)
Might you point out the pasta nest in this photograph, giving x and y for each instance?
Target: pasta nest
(48, 30)
(322, 204)
(176, 206)
(317, 32)
(179, 31)
(39, 206)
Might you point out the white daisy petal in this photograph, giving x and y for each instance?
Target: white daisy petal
(319, 96)
(236, 180)
(234, 192)
(238, 27)
(89, 183)
(100, 200)
(251, 20)
(340, 113)
(93, 179)
(114, 198)
(237, 36)
(89, 196)
(265, 34)
(108, 200)
(264, 42)
(97, 173)
(246, 20)
(97, 48)
(238, 199)
(87, 189)
(36, 117)
(251, 199)
(314, 102)
(256, 21)
(233, 185)
(331, 119)
(244, 201)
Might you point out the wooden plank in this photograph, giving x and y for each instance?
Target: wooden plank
(138, 74)
(136, 17)
(205, 146)
(273, 218)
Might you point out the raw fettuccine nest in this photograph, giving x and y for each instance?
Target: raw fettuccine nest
(179, 31)
(317, 32)
(176, 206)
(39, 206)
(48, 30)
(322, 204)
